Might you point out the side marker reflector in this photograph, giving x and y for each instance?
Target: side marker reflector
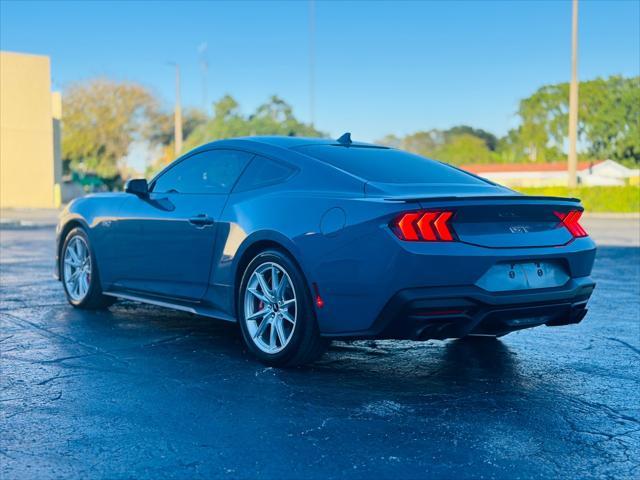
(317, 299)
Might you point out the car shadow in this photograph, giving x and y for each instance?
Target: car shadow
(188, 347)
(371, 366)
(416, 366)
(385, 363)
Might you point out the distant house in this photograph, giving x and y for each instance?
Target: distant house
(603, 172)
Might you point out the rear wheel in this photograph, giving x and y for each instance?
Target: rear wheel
(79, 272)
(276, 314)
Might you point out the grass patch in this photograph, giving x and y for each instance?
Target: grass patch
(596, 199)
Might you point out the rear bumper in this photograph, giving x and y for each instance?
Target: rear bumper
(454, 312)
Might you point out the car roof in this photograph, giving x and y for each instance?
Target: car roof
(281, 142)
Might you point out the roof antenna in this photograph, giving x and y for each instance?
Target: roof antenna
(345, 139)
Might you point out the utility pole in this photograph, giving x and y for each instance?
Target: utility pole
(312, 60)
(204, 68)
(573, 101)
(177, 116)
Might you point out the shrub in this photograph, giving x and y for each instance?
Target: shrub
(596, 199)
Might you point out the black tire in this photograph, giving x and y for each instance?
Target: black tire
(306, 345)
(94, 299)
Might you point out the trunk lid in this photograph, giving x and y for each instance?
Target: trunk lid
(514, 224)
(489, 216)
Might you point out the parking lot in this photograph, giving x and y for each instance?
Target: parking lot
(141, 392)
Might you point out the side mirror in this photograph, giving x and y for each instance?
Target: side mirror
(137, 186)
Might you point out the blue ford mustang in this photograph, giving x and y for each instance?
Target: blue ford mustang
(302, 240)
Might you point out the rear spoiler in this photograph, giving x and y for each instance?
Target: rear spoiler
(483, 197)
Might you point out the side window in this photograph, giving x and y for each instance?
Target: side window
(262, 172)
(209, 172)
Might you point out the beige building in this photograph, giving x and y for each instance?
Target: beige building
(30, 163)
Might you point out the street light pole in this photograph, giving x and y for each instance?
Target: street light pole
(177, 116)
(204, 68)
(573, 101)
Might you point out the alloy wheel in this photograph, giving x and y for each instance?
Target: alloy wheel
(270, 307)
(77, 268)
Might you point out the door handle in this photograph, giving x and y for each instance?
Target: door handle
(201, 221)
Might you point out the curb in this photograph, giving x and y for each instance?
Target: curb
(24, 225)
(612, 216)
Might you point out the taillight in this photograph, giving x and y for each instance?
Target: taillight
(429, 226)
(570, 221)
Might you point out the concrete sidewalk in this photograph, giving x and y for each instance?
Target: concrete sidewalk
(614, 229)
(15, 218)
(619, 230)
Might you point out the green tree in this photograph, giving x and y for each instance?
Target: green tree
(425, 143)
(275, 117)
(611, 118)
(458, 145)
(609, 127)
(510, 147)
(542, 116)
(163, 133)
(490, 140)
(227, 122)
(608, 115)
(464, 149)
(390, 140)
(101, 119)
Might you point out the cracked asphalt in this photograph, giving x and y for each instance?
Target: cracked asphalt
(141, 392)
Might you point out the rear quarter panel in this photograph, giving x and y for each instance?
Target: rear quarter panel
(329, 234)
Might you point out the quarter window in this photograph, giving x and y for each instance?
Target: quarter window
(209, 172)
(262, 172)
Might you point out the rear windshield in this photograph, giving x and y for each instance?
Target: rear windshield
(388, 165)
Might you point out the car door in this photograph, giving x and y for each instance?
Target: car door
(167, 240)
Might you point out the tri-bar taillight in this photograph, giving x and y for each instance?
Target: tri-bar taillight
(570, 221)
(424, 226)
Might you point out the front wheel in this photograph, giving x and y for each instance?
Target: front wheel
(276, 313)
(79, 272)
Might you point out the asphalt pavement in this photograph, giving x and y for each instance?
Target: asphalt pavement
(142, 392)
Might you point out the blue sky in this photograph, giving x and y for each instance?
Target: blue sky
(381, 67)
